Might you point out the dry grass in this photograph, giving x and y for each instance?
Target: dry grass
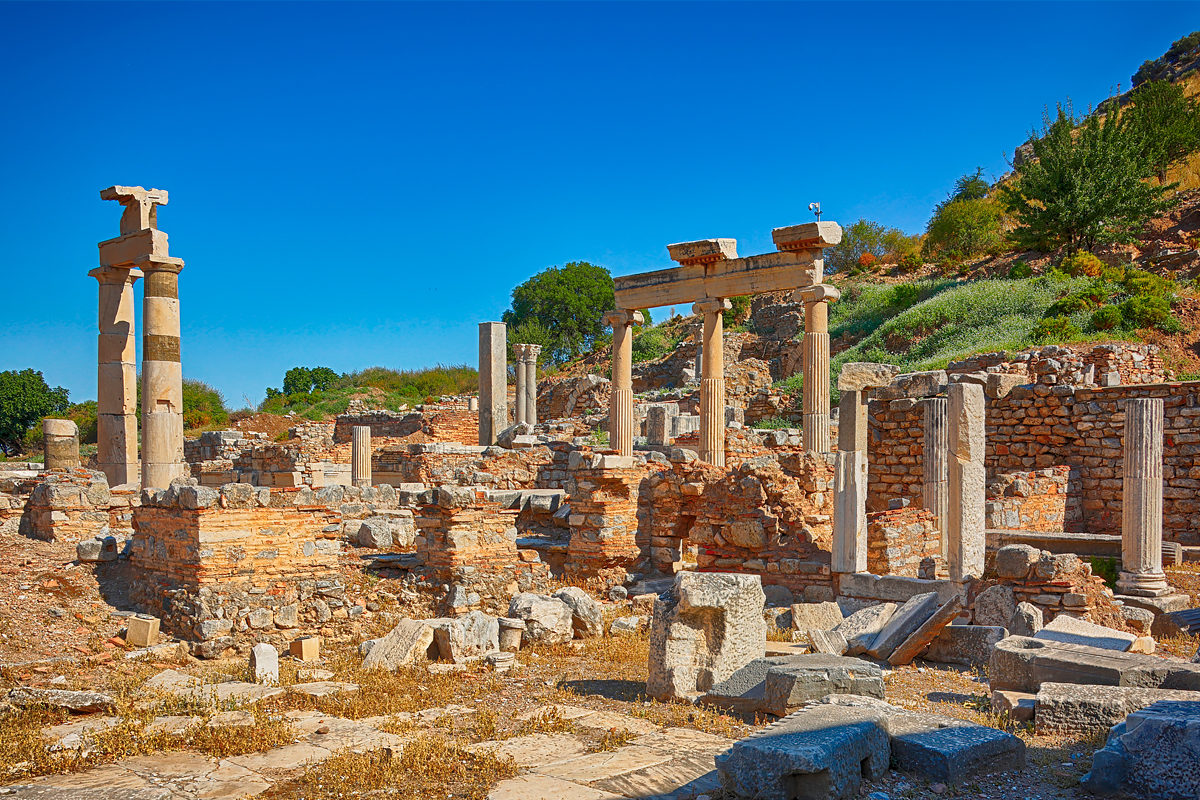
(427, 767)
(612, 739)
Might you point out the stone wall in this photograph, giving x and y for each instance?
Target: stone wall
(443, 422)
(1035, 500)
(73, 505)
(562, 398)
(905, 542)
(604, 520)
(1056, 584)
(224, 568)
(541, 467)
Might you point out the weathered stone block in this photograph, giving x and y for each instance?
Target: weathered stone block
(587, 617)
(409, 641)
(547, 619)
(1024, 664)
(264, 663)
(468, 637)
(968, 645)
(1076, 709)
(907, 619)
(995, 605)
(1153, 753)
(1080, 631)
(816, 616)
(861, 627)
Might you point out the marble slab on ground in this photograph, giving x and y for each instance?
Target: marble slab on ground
(685, 776)
(544, 787)
(606, 764)
(534, 750)
(1079, 631)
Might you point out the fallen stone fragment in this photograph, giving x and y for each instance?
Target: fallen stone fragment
(821, 751)
(1153, 753)
(1019, 706)
(75, 702)
(468, 637)
(921, 638)
(547, 619)
(1023, 664)
(1076, 709)
(1026, 620)
(910, 616)
(995, 606)
(406, 643)
(1079, 631)
(98, 549)
(264, 663)
(828, 642)
(816, 616)
(811, 677)
(950, 750)
(968, 645)
(860, 628)
(743, 691)
(587, 618)
(626, 625)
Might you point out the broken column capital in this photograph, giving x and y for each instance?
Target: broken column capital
(141, 206)
(116, 274)
(809, 236)
(711, 305)
(527, 352)
(817, 293)
(704, 251)
(857, 376)
(622, 317)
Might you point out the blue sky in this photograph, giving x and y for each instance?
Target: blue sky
(361, 184)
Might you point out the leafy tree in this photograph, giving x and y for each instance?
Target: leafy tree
(868, 238)
(322, 378)
(1083, 187)
(970, 187)
(297, 380)
(964, 228)
(531, 331)
(203, 406)
(1167, 122)
(24, 400)
(568, 302)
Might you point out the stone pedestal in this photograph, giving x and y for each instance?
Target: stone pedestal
(162, 376)
(60, 439)
(935, 479)
(966, 437)
(712, 380)
(116, 376)
(815, 365)
(526, 370)
(850, 485)
(360, 455)
(493, 381)
(1141, 504)
(620, 410)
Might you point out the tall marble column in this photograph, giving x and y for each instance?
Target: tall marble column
(966, 436)
(712, 380)
(360, 455)
(1142, 500)
(815, 364)
(520, 407)
(162, 375)
(620, 404)
(935, 475)
(493, 381)
(850, 485)
(116, 376)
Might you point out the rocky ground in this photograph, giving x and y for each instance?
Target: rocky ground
(571, 722)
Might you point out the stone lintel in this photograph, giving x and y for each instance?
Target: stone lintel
(704, 251)
(141, 206)
(132, 248)
(808, 236)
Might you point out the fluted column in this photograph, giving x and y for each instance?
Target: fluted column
(519, 406)
(1141, 502)
(712, 380)
(162, 376)
(532, 351)
(935, 479)
(815, 364)
(116, 376)
(360, 455)
(966, 436)
(620, 408)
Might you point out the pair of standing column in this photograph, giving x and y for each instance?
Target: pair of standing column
(526, 369)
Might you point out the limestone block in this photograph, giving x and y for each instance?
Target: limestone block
(914, 384)
(816, 616)
(547, 619)
(99, 549)
(1014, 561)
(468, 637)
(1080, 631)
(910, 616)
(406, 643)
(587, 618)
(1019, 706)
(264, 663)
(142, 630)
(75, 702)
(823, 751)
(1075, 709)
(743, 691)
(950, 750)
(829, 642)
(510, 633)
(858, 376)
(1023, 664)
(923, 636)
(811, 677)
(968, 645)
(1153, 753)
(861, 627)
(995, 605)
(1026, 620)
(1000, 384)
(375, 532)
(626, 626)
(709, 626)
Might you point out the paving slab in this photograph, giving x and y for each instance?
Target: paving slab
(561, 711)
(323, 688)
(282, 761)
(611, 720)
(684, 776)
(535, 750)
(1071, 708)
(685, 741)
(235, 692)
(545, 787)
(818, 752)
(1079, 631)
(601, 766)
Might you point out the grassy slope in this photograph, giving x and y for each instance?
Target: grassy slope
(379, 388)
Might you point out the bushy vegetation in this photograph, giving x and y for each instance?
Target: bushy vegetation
(1106, 299)
(1159, 68)
(384, 388)
(866, 243)
(965, 229)
(203, 406)
(1167, 123)
(567, 302)
(772, 424)
(25, 399)
(651, 344)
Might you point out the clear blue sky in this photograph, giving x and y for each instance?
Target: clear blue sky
(354, 185)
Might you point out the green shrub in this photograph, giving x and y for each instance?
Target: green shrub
(1112, 274)
(772, 424)
(1140, 282)
(651, 344)
(1107, 318)
(203, 406)
(1053, 329)
(1105, 567)
(1020, 269)
(739, 307)
(910, 262)
(965, 228)
(1146, 311)
(905, 295)
(1082, 264)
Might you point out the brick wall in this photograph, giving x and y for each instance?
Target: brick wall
(540, 467)
(604, 522)
(1035, 500)
(903, 541)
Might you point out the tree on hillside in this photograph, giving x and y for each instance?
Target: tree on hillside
(302, 380)
(964, 228)
(24, 400)
(872, 239)
(567, 302)
(1167, 122)
(1084, 185)
(972, 186)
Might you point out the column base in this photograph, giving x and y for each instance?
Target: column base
(1143, 584)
